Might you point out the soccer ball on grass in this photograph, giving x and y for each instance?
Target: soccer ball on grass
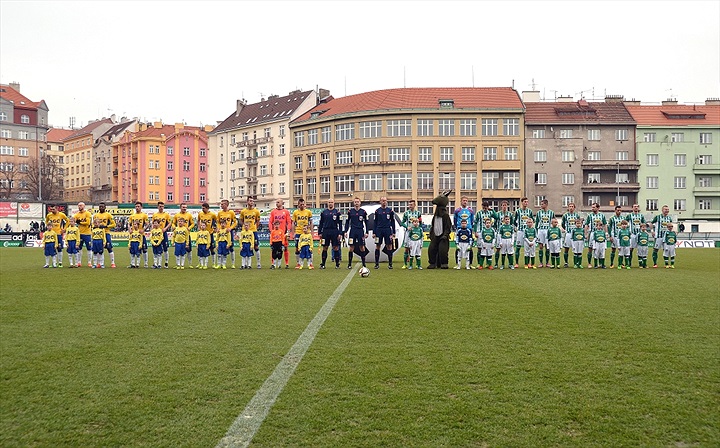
(364, 272)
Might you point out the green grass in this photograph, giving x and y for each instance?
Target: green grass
(420, 358)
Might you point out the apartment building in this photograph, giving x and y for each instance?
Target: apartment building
(102, 153)
(679, 153)
(23, 139)
(160, 162)
(78, 160)
(410, 143)
(250, 149)
(581, 152)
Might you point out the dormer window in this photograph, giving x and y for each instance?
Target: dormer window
(447, 104)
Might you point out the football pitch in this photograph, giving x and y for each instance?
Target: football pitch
(441, 358)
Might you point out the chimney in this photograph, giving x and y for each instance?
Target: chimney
(157, 124)
(272, 97)
(15, 85)
(614, 98)
(669, 102)
(531, 96)
(239, 106)
(632, 102)
(565, 99)
(712, 102)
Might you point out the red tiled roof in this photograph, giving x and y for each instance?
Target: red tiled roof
(264, 111)
(166, 130)
(58, 135)
(576, 112)
(88, 128)
(17, 98)
(117, 129)
(669, 115)
(418, 98)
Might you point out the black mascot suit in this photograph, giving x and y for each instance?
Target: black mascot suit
(440, 233)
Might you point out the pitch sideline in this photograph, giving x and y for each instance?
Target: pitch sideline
(243, 429)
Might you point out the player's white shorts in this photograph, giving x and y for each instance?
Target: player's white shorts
(669, 250)
(486, 249)
(615, 243)
(624, 251)
(506, 246)
(599, 251)
(463, 250)
(542, 236)
(530, 248)
(659, 244)
(633, 241)
(554, 246)
(642, 251)
(578, 246)
(520, 237)
(567, 241)
(415, 247)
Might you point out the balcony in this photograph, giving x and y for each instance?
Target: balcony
(251, 161)
(610, 164)
(251, 179)
(698, 213)
(115, 159)
(134, 170)
(115, 172)
(626, 187)
(706, 168)
(115, 188)
(135, 155)
(706, 191)
(253, 142)
(503, 165)
(134, 186)
(501, 194)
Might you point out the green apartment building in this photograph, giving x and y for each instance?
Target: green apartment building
(678, 147)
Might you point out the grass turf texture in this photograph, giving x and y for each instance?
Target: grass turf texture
(407, 358)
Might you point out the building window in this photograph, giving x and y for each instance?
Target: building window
(622, 155)
(566, 133)
(298, 187)
(540, 156)
(232, 192)
(679, 182)
(539, 199)
(489, 153)
(446, 128)
(511, 180)
(369, 155)
(446, 153)
(489, 127)
(511, 126)
(490, 180)
(186, 166)
(281, 187)
(651, 205)
(310, 160)
(281, 169)
(567, 156)
(186, 151)
(679, 204)
(170, 165)
(705, 138)
(680, 160)
(399, 181)
(345, 131)
(593, 134)
(593, 200)
(621, 134)
(170, 180)
(370, 129)
(267, 132)
(263, 151)
(203, 198)
(23, 152)
(468, 153)
(282, 131)
(6, 133)
(324, 184)
(621, 200)
(593, 178)
(170, 196)
(652, 182)
(446, 181)
(568, 178)
(398, 154)
(232, 157)
(324, 159)
(425, 207)
(241, 172)
(567, 200)
(538, 133)
(24, 119)
(399, 128)
(593, 155)
(298, 162)
(649, 137)
(425, 128)
(704, 204)
(370, 182)
(703, 159)
(468, 127)
(326, 134)
(704, 181)
(25, 135)
(311, 186)
(186, 197)
(677, 137)
(202, 182)
(3, 116)
(511, 153)
(622, 178)
(425, 154)
(343, 157)
(540, 178)
(312, 137)
(263, 168)
(299, 139)
(652, 159)
(425, 181)
(344, 184)
(468, 181)
(282, 149)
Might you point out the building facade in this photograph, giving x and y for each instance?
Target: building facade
(159, 162)
(250, 150)
(102, 153)
(679, 154)
(78, 160)
(23, 139)
(55, 155)
(581, 152)
(410, 143)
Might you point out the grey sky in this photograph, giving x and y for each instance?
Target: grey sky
(189, 61)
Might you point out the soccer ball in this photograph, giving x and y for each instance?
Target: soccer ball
(364, 272)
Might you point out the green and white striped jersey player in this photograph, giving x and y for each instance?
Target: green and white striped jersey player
(614, 228)
(635, 219)
(480, 217)
(659, 227)
(543, 217)
(520, 222)
(499, 216)
(591, 222)
(569, 218)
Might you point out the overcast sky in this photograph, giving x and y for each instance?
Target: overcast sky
(189, 61)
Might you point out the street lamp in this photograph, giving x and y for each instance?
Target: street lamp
(617, 181)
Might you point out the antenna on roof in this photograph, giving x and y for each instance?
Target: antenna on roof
(404, 84)
(472, 70)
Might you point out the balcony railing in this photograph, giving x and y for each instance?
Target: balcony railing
(253, 142)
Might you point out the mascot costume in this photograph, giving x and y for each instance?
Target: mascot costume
(440, 228)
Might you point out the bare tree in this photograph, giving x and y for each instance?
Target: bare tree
(47, 176)
(10, 182)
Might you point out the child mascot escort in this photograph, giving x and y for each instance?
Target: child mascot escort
(440, 233)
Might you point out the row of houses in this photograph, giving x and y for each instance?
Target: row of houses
(410, 143)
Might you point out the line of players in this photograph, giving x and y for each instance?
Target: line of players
(502, 233)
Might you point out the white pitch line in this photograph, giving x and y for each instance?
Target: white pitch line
(243, 429)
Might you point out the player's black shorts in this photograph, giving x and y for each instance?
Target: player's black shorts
(330, 237)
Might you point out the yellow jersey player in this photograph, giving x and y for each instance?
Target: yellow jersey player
(203, 245)
(210, 220)
(141, 218)
(247, 244)
(83, 218)
(227, 215)
(72, 237)
(251, 215)
(189, 223)
(305, 244)
(50, 239)
(301, 217)
(181, 239)
(57, 221)
(98, 242)
(157, 238)
(165, 221)
(106, 222)
(224, 241)
(135, 241)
